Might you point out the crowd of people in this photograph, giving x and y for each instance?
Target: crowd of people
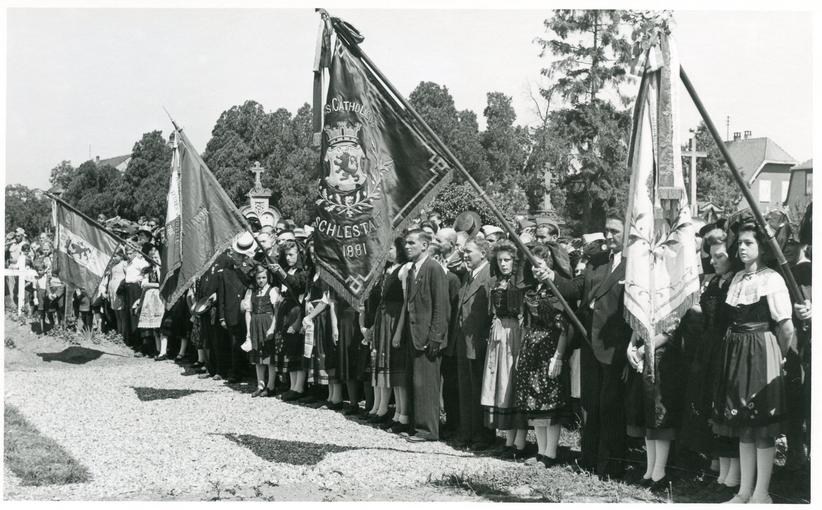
(462, 324)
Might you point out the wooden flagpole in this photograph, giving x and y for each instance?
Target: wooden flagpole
(794, 289)
(483, 195)
(101, 227)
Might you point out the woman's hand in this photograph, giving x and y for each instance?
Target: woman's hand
(803, 310)
(306, 322)
(291, 330)
(555, 367)
(633, 355)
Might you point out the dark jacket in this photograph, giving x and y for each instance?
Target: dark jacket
(608, 332)
(234, 280)
(426, 306)
(454, 312)
(475, 312)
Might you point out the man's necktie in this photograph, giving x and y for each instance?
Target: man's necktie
(411, 282)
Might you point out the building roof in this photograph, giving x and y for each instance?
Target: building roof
(805, 165)
(751, 155)
(115, 161)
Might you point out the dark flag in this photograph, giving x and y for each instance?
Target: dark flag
(201, 220)
(82, 250)
(377, 168)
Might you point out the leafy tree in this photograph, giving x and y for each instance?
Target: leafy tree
(505, 144)
(587, 153)
(460, 197)
(459, 131)
(294, 183)
(143, 190)
(90, 190)
(590, 51)
(714, 182)
(62, 175)
(28, 209)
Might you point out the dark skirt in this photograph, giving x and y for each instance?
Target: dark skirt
(322, 366)
(749, 401)
(352, 355)
(287, 355)
(695, 432)
(389, 363)
(261, 347)
(537, 396)
(653, 408)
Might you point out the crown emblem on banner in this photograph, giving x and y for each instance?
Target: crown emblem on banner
(343, 132)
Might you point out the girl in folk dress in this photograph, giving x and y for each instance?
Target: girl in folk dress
(541, 386)
(151, 306)
(260, 325)
(696, 429)
(386, 309)
(320, 347)
(289, 278)
(503, 349)
(749, 402)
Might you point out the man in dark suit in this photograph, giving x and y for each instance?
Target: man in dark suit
(212, 334)
(234, 281)
(474, 326)
(443, 248)
(600, 290)
(424, 320)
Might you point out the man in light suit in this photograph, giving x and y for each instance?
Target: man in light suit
(600, 290)
(424, 323)
(474, 326)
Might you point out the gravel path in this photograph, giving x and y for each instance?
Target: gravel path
(214, 441)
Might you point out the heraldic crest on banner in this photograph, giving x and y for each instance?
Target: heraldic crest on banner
(348, 186)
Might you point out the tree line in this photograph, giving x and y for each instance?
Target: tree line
(581, 141)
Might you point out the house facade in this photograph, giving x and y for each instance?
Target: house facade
(800, 189)
(765, 166)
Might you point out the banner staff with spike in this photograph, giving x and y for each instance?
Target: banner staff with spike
(354, 47)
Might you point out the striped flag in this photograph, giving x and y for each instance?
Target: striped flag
(201, 221)
(82, 250)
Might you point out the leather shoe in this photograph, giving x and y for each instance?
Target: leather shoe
(399, 428)
(205, 375)
(291, 396)
(480, 446)
(258, 392)
(217, 377)
(233, 380)
(387, 425)
(351, 409)
(660, 486)
(334, 407)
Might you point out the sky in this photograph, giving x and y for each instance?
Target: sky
(89, 82)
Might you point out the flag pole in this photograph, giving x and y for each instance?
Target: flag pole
(483, 195)
(794, 289)
(101, 227)
(220, 191)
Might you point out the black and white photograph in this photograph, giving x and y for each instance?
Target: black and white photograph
(446, 252)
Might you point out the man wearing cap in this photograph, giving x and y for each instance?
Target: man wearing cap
(234, 281)
(492, 233)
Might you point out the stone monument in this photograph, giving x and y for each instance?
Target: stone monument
(258, 201)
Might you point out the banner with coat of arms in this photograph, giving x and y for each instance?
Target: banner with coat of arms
(377, 168)
(82, 250)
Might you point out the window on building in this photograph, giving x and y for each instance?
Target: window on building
(784, 191)
(808, 183)
(764, 190)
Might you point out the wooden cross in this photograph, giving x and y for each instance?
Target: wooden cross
(693, 154)
(22, 275)
(257, 170)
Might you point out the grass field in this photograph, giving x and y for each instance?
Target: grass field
(34, 458)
